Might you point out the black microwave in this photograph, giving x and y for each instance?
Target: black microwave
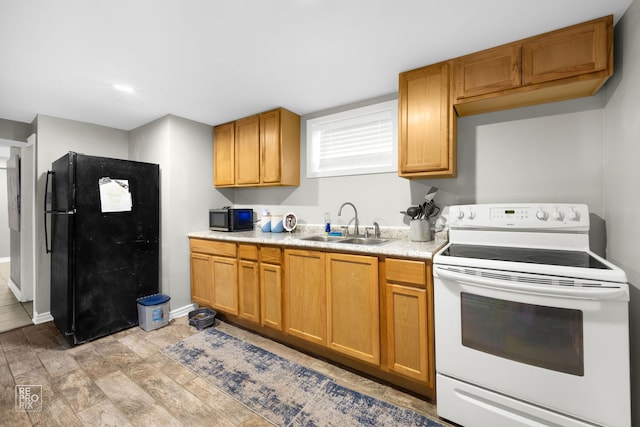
(230, 219)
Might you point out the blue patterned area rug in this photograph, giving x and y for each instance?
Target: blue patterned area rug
(283, 392)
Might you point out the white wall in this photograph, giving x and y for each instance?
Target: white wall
(622, 175)
(184, 151)
(4, 214)
(55, 138)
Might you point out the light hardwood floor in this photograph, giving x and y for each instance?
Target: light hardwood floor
(124, 380)
(13, 314)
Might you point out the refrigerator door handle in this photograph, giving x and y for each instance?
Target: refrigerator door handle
(50, 212)
(46, 237)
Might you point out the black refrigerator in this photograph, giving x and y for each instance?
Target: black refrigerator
(104, 219)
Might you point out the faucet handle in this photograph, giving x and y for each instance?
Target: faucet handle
(367, 230)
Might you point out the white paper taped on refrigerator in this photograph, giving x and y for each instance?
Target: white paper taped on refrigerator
(115, 195)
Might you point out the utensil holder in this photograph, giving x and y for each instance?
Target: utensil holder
(419, 230)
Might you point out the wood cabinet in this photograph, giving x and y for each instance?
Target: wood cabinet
(260, 150)
(271, 287)
(224, 154)
(247, 156)
(214, 271)
(409, 319)
(248, 283)
(427, 123)
(562, 64)
(353, 312)
(489, 71)
(305, 295)
(201, 279)
(369, 312)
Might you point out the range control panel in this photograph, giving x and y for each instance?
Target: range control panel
(561, 216)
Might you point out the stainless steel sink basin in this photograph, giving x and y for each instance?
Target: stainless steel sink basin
(364, 240)
(323, 238)
(346, 239)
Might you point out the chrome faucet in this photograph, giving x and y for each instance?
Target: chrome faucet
(356, 230)
(376, 231)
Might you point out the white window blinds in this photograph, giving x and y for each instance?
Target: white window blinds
(358, 141)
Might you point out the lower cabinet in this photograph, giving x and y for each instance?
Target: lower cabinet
(372, 313)
(214, 274)
(305, 295)
(225, 284)
(248, 283)
(201, 278)
(353, 310)
(409, 320)
(271, 288)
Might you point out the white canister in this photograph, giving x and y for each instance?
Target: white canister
(276, 224)
(419, 230)
(265, 224)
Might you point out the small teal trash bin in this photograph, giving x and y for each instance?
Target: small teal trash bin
(153, 311)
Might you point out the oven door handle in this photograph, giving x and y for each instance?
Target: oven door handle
(590, 293)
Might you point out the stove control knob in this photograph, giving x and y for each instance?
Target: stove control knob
(541, 215)
(572, 215)
(459, 214)
(471, 214)
(558, 215)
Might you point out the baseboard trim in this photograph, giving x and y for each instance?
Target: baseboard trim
(179, 312)
(5, 259)
(41, 317)
(16, 291)
(182, 311)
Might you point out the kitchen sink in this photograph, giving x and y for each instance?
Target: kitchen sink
(323, 238)
(364, 240)
(346, 239)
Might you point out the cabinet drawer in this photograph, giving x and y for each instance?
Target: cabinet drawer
(271, 255)
(213, 247)
(406, 271)
(248, 252)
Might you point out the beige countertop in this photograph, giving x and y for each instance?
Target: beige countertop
(399, 245)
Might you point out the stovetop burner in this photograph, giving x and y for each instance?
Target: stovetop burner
(527, 255)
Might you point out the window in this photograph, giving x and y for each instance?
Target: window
(353, 142)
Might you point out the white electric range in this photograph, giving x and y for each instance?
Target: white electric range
(531, 326)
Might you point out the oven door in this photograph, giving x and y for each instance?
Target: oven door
(560, 349)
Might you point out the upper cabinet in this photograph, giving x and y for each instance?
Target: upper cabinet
(256, 151)
(427, 123)
(247, 148)
(224, 154)
(568, 63)
(489, 71)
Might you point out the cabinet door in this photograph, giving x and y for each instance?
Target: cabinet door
(201, 279)
(247, 154)
(223, 155)
(353, 316)
(407, 331)
(489, 71)
(249, 290)
(271, 296)
(572, 51)
(305, 295)
(270, 147)
(427, 123)
(225, 284)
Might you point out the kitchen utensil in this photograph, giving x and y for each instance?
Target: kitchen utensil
(413, 211)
